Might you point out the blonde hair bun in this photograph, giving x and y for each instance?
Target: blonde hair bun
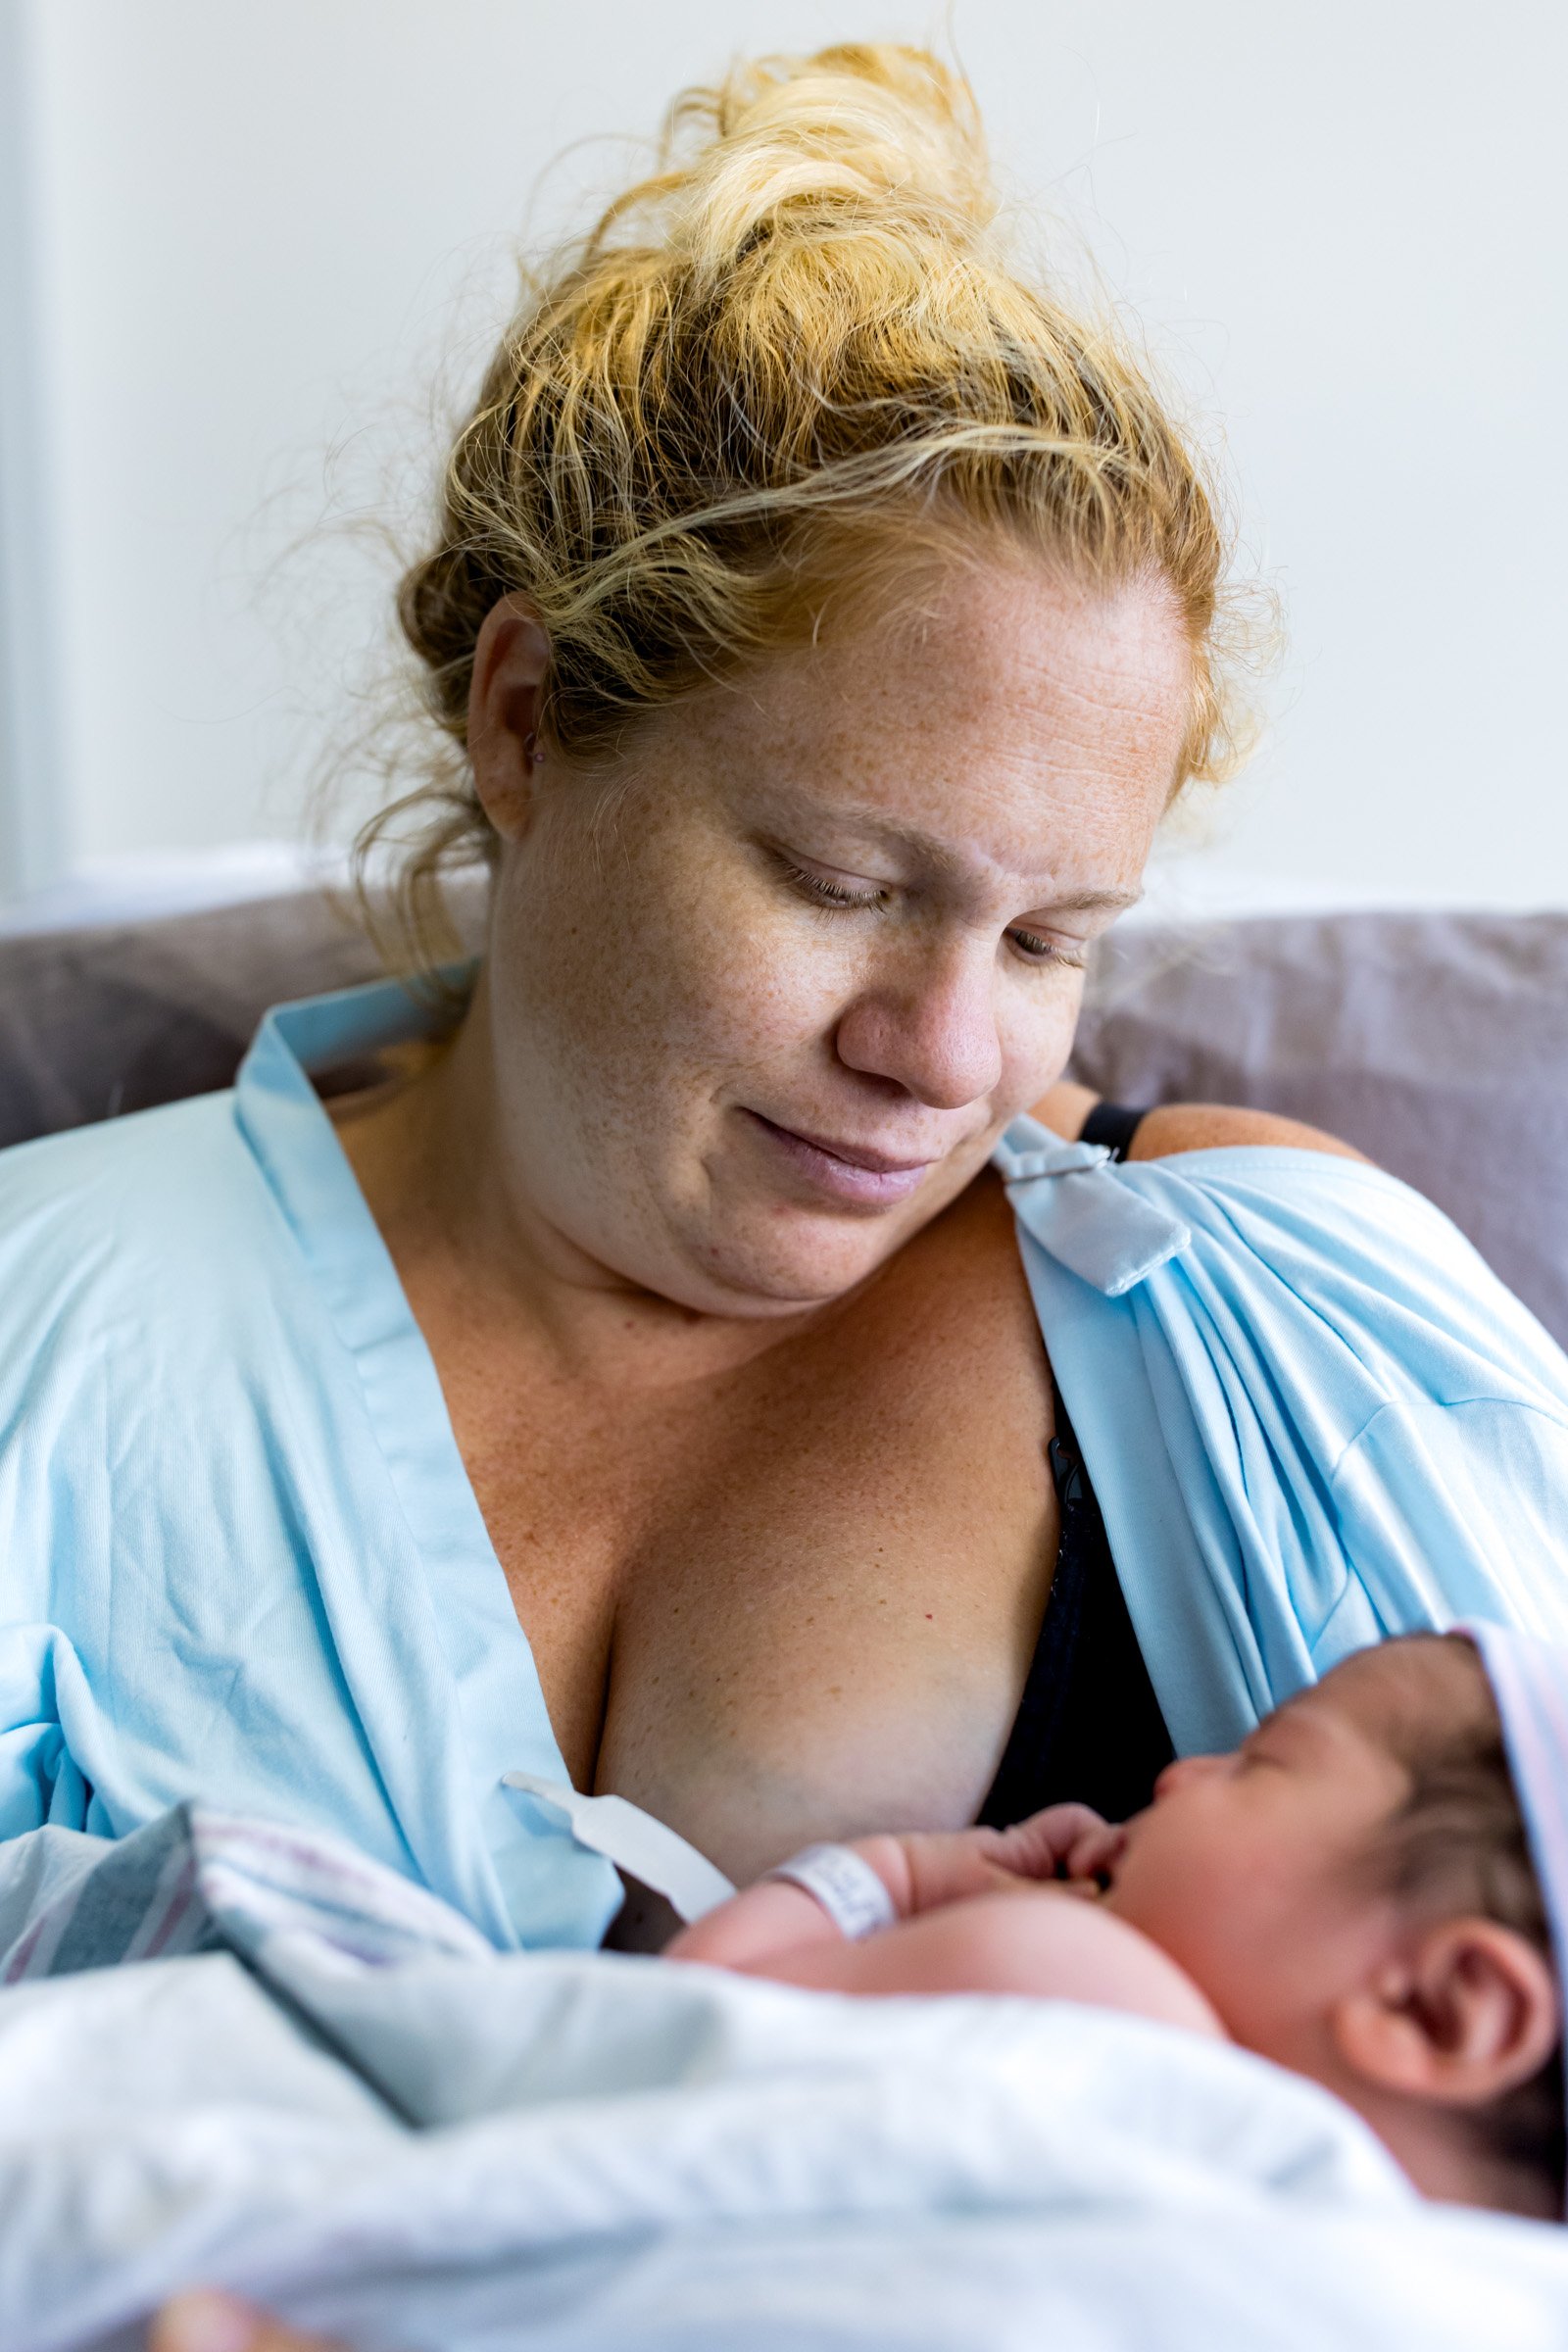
(821, 148)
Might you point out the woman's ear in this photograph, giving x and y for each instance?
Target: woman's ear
(506, 697)
(1465, 2013)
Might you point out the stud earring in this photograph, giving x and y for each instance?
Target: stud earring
(531, 751)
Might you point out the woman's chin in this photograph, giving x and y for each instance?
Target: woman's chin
(782, 1262)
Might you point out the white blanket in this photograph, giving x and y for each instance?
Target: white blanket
(577, 2154)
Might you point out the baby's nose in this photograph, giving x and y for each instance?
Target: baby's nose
(1186, 1768)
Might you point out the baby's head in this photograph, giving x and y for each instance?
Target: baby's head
(1354, 1891)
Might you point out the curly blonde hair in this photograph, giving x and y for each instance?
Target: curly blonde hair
(767, 375)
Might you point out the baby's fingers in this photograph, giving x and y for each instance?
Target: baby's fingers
(1043, 1846)
(1095, 1852)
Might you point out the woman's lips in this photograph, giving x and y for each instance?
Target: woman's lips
(844, 1171)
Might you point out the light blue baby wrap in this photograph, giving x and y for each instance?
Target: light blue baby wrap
(240, 1558)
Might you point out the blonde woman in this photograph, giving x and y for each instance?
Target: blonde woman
(725, 1367)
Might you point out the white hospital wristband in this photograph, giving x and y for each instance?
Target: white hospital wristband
(846, 1886)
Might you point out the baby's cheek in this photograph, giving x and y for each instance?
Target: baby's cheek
(1164, 1888)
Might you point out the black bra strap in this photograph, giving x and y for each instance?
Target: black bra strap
(1113, 1123)
(1089, 1725)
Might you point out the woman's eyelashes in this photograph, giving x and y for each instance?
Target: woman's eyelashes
(1035, 948)
(837, 891)
(827, 892)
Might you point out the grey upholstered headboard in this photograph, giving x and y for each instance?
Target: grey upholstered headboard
(96, 1023)
(1437, 1042)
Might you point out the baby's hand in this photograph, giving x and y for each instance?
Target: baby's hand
(1065, 1841)
(949, 1866)
(211, 2322)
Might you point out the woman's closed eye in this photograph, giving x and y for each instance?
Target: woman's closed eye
(1035, 948)
(835, 890)
(853, 891)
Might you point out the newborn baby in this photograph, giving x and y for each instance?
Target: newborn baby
(1366, 1891)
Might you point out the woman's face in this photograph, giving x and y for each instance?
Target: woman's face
(762, 997)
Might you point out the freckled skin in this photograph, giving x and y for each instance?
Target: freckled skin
(653, 976)
(766, 1469)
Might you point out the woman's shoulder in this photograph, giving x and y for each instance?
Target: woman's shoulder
(1246, 1192)
(1242, 1221)
(122, 1227)
(1167, 1129)
(1173, 1129)
(156, 1167)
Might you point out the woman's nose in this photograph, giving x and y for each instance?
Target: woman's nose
(931, 1030)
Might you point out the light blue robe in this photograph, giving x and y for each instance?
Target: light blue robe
(240, 1558)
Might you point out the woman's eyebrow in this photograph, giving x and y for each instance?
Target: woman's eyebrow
(1096, 902)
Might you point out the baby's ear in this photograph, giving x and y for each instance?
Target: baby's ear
(1467, 2011)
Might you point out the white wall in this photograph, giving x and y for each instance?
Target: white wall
(257, 227)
